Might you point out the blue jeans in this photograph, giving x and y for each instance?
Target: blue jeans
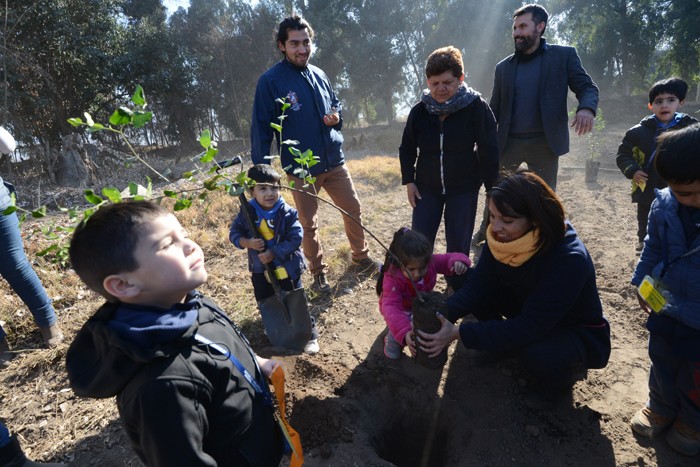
(460, 212)
(17, 271)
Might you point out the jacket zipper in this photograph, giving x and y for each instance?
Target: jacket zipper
(442, 168)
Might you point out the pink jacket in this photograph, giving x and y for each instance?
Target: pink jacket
(397, 292)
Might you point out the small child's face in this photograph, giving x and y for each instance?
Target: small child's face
(170, 264)
(665, 106)
(266, 195)
(416, 269)
(688, 194)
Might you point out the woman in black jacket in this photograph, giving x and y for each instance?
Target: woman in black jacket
(447, 151)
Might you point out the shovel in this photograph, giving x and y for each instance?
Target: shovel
(285, 315)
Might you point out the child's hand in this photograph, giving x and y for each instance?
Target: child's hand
(459, 267)
(253, 243)
(411, 343)
(266, 257)
(640, 177)
(266, 365)
(642, 303)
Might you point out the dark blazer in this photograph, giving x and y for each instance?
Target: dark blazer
(561, 71)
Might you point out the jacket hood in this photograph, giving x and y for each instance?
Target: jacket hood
(104, 357)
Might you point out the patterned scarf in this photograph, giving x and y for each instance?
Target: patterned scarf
(462, 98)
(514, 253)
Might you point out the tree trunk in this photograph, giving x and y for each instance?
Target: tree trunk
(74, 168)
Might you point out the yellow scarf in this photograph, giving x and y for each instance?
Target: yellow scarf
(514, 253)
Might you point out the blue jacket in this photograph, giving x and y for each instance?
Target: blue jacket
(555, 288)
(561, 71)
(666, 244)
(285, 245)
(311, 96)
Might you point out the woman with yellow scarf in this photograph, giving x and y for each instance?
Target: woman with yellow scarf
(533, 293)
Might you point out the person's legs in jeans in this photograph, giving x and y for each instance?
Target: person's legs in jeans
(307, 207)
(460, 214)
(18, 272)
(427, 215)
(338, 184)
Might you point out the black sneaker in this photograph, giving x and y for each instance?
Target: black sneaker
(320, 283)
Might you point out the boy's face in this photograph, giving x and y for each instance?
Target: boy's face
(665, 106)
(266, 195)
(688, 194)
(170, 265)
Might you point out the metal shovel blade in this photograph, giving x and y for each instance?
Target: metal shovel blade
(286, 319)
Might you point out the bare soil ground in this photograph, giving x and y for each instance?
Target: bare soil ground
(351, 405)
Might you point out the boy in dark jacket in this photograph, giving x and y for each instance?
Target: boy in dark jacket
(635, 156)
(278, 224)
(155, 345)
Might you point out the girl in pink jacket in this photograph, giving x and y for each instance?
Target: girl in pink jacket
(395, 289)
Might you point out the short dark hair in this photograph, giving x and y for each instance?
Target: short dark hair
(526, 195)
(264, 173)
(105, 243)
(445, 59)
(539, 14)
(296, 23)
(677, 159)
(673, 85)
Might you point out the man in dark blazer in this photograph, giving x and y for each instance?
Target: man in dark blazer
(529, 97)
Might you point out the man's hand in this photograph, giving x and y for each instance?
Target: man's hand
(642, 304)
(583, 121)
(267, 366)
(413, 194)
(331, 119)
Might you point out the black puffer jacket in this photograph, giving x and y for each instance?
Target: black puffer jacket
(450, 165)
(635, 151)
(182, 404)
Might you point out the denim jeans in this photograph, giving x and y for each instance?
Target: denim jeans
(17, 271)
(460, 212)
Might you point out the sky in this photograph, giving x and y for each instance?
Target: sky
(173, 5)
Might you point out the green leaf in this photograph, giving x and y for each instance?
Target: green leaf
(138, 98)
(112, 194)
(285, 106)
(121, 116)
(149, 187)
(9, 210)
(209, 155)
(211, 184)
(205, 139)
(276, 127)
(39, 213)
(92, 198)
(202, 196)
(141, 118)
(169, 193)
(281, 100)
(182, 203)
(292, 183)
(295, 152)
(133, 189)
(75, 121)
(88, 119)
(96, 127)
(234, 190)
